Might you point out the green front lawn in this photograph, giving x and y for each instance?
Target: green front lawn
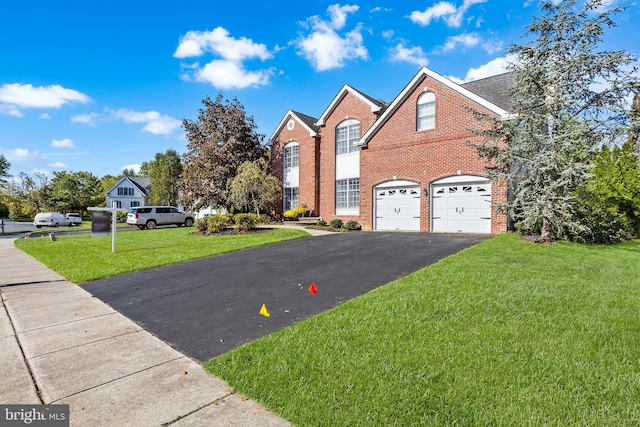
(505, 333)
(81, 258)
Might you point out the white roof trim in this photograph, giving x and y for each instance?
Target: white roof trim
(284, 121)
(341, 94)
(424, 71)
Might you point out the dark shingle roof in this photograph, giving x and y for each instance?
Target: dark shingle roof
(308, 120)
(142, 183)
(493, 89)
(380, 103)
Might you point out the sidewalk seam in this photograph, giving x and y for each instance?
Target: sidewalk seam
(119, 378)
(215, 402)
(24, 357)
(87, 343)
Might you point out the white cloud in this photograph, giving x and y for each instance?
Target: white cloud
(218, 41)
(491, 68)
(466, 40)
(19, 155)
(324, 47)
(62, 143)
(87, 118)
(444, 10)
(413, 55)
(59, 165)
(45, 116)
(16, 96)
(387, 34)
(233, 53)
(155, 122)
(136, 167)
(228, 75)
(339, 14)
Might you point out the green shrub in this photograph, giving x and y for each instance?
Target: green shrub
(245, 221)
(214, 224)
(321, 223)
(290, 215)
(336, 223)
(352, 225)
(121, 217)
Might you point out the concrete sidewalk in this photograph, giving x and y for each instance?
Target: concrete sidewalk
(60, 345)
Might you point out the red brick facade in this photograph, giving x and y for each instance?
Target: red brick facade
(394, 150)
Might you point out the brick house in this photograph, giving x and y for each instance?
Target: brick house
(404, 165)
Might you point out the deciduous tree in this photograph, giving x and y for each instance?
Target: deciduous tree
(164, 172)
(73, 191)
(220, 140)
(254, 187)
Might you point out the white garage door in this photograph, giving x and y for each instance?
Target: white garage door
(398, 208)
(461, 207)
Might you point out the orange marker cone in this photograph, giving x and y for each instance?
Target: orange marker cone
(264, 311)
(313, 289)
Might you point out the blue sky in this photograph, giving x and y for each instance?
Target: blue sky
(101, 85)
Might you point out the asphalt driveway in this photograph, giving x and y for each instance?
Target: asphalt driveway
(208, 307)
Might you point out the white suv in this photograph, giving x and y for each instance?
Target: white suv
(152, 216)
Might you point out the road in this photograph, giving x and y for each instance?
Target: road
(18, 227)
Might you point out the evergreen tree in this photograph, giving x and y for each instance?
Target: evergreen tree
(568, 100)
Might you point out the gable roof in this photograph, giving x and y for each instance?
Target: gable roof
(142, 183)
(308, 122)
(409, 88)
(375, 104)
(494, 88)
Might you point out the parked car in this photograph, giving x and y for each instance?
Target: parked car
(50, 219)
(75, 218)
(152, 216)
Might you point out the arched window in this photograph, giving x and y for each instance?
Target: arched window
(427, 111)
(347, 134)
(291, 177)
(291, 155)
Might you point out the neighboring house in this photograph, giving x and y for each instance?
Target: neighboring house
(405, 165)
(129, 192)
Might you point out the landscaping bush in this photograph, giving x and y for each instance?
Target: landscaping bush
(352, 225)
(321, 223)
(290, 215)
(246, 222)
(214, 224)
(300, 211)
(336, 223)
(121, 217)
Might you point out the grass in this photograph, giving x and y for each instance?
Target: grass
(505, 333)
(82, 258)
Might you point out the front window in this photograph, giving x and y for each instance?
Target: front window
(348, 193)
(291, 198)
(347, 135)
(291, 155)
(125, 191)
(427, 111)
(135, 204)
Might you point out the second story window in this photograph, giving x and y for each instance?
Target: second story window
(291, 155)
(427, 111)
(347, 135)
(125, 191)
